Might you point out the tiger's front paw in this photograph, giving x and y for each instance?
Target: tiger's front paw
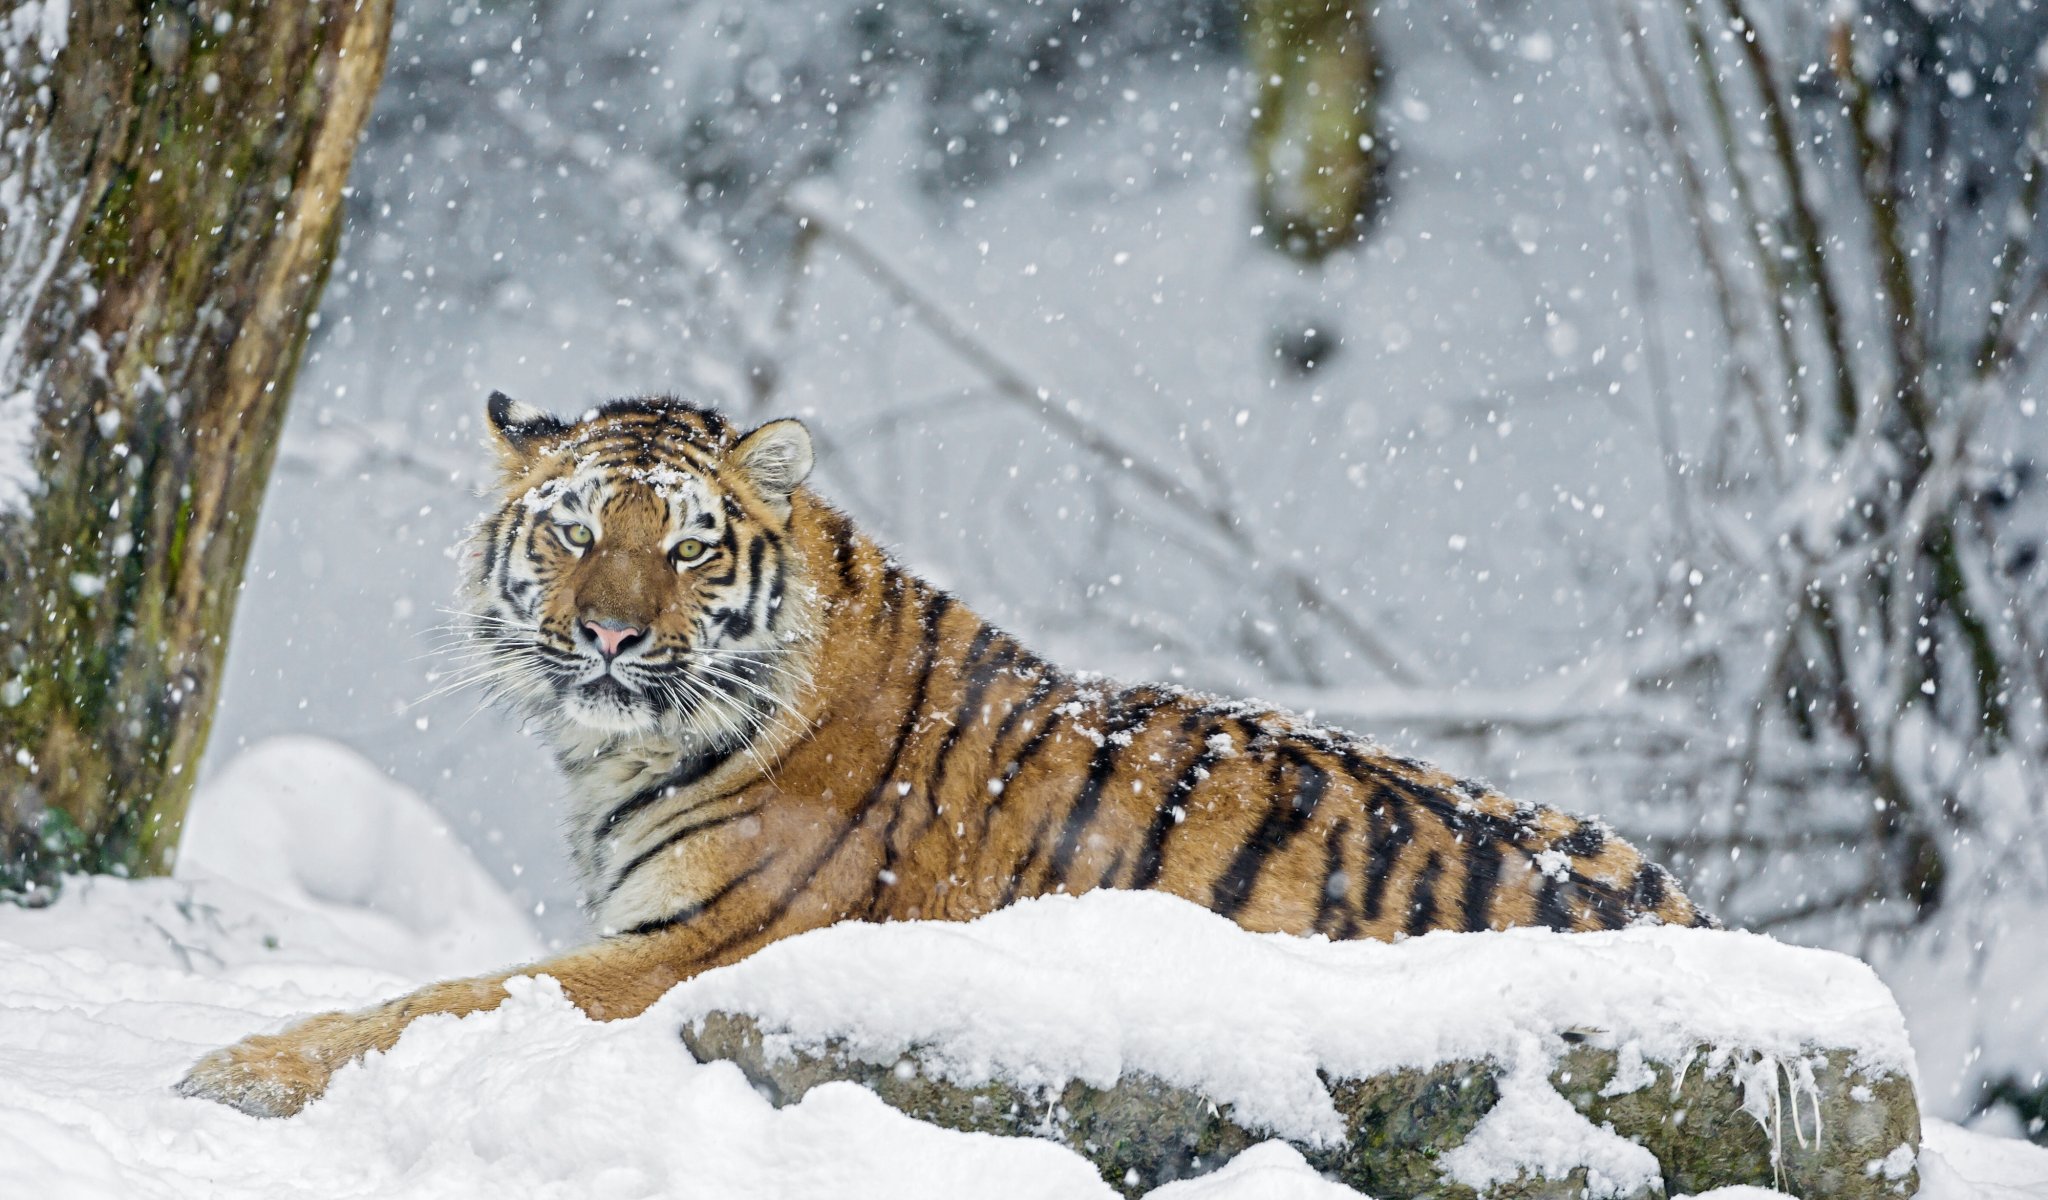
(268, 1075)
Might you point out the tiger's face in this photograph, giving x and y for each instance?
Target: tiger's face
(637, 576)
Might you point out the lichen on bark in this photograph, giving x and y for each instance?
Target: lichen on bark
(189, 158)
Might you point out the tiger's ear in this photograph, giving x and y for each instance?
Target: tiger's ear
(518, 429)
(775, 458)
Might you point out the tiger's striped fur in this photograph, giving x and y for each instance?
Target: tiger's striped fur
(810, 734)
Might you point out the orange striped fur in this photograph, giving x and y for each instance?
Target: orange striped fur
(801, 732)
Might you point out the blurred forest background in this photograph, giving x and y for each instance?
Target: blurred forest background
(1634, 402)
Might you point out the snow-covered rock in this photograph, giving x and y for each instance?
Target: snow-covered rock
(1157, 1039)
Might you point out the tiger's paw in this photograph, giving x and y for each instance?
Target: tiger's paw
(265, 1075)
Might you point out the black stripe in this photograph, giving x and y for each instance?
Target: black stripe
(1025, 753)
(1482, 878)
(1284, 818)
(557, 659)
(1652, 887)
(1311, 782)
(928, 642)
(1393, 827)
(1584, 841)
(1522, 824)
(511, 535)
(532, 552)
(1330, 901)
(1551, 909)
(1007, 769)
(1603, 902)
(1152, 855)
(1047, 680)
(1457, 813)
(759, 580)
(892, 594)
(764, 930)
(732, 571)
(1422, 901)
(492, 553)
(775, 587)
(1116, 866)
(687, 830)
(690, 912)
(687, 772)
(1124, 717)
(1033, 846)
(840, 531)
(982, 674)
(739, 620)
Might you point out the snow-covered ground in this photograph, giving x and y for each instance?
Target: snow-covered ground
(312, 882)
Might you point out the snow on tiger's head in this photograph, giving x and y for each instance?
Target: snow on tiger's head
(637, 574)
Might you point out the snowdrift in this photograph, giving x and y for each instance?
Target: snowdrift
(109, 994)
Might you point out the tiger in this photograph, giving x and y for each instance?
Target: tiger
(768, 725)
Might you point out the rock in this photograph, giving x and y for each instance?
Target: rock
(1828, 1122)
(1817, 1127)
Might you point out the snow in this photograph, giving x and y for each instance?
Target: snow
(17, 451)
(106, 996)
(1268, 1171)
(48, 21)
(31, 203)
(1956, 1164)
(312, 883)
(1979, 995)
(378, 864)
(1089, 987)
(1534, 1131)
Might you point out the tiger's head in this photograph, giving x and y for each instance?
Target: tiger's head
(638, 575)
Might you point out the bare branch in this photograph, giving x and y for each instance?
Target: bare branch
(1066, 416)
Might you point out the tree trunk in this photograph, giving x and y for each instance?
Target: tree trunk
(170, 192)
(1318, 155)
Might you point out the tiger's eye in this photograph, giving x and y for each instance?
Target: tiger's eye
(577, 535)
(688, 550)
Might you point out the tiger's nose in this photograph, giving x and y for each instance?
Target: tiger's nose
(611, 637)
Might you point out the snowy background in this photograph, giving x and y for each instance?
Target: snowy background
(1448, 486)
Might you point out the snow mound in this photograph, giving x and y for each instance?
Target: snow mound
(1267, 1171)
(1956, 1164)
(311, 882)
(314, 826)
(1063, 988)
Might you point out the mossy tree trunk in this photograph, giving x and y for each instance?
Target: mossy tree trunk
(1316, 148)
(171, 180)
